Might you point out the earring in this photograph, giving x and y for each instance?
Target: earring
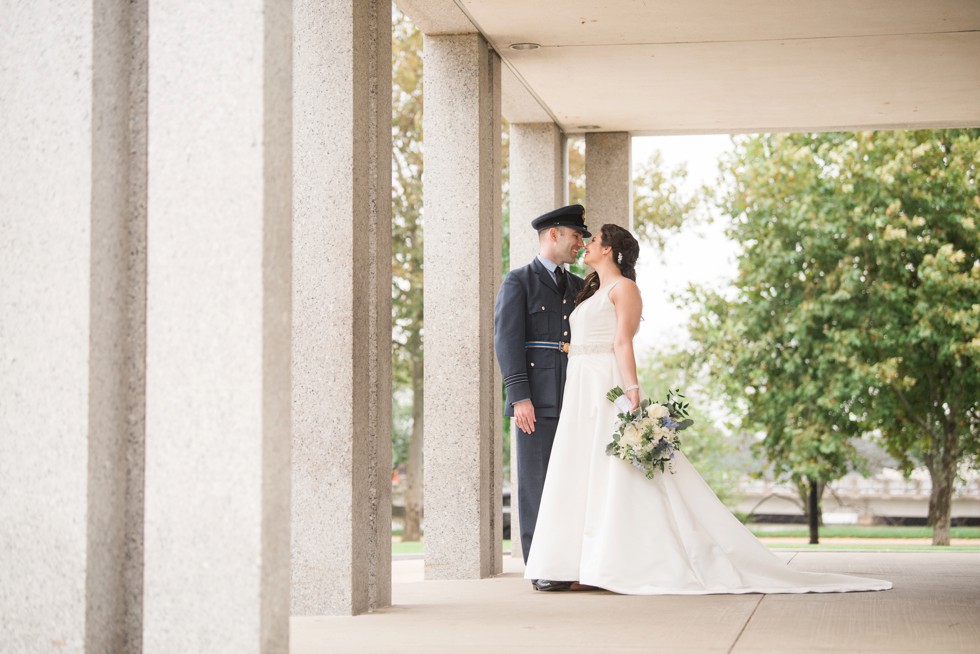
(619, 259)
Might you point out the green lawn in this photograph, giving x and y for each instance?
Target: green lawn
(415, 547)
(800, 531)
(872, 545)
(409, 547)
(859, 531)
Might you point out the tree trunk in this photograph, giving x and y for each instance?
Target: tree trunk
(943, 478)
(942, 492)
(813, 512)
(413, 466)
(810, 494)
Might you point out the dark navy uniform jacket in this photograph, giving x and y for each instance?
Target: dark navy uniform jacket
(529, 308)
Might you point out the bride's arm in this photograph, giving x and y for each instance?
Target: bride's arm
(629, 306)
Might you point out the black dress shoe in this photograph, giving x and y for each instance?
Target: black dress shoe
(548, 585)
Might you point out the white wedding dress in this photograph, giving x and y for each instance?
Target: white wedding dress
(603, 523)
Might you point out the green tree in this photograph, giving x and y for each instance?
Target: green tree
(766, 344)
(917, 252)
(855, 304)
(713, 452)
(660, 207)
(407, 335)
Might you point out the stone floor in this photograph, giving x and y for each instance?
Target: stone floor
(934, 607)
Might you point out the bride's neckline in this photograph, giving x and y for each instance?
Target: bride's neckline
(603, 290)
(609, 284)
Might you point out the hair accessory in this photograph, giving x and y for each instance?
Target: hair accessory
(619, 259)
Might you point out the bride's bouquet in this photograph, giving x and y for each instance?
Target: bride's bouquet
(647, 436)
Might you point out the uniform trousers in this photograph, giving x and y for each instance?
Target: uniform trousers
(533, 452)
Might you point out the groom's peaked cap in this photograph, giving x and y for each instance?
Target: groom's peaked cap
(570, 216)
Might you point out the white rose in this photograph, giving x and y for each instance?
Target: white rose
(631, 437)
(658, 411)
(648, 424)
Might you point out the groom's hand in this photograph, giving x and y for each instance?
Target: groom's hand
(524, 416)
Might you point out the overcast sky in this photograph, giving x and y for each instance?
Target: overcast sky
(700, 255)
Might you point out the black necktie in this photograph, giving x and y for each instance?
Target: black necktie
(561, 280)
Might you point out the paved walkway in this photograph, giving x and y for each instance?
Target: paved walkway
(934, 607)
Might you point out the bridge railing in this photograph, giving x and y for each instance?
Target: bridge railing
(856, 486)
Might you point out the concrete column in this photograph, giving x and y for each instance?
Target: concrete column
(463, 475)
(72, 285)
(608, 180)
(341, 542)
(537, 185)
(218, 327)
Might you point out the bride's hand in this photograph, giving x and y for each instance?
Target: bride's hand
(633, 395)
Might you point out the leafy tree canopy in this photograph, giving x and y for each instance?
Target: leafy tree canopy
(857, 303)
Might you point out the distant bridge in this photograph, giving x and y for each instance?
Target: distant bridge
(858, 500)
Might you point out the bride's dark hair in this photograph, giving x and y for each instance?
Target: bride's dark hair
(625, 251)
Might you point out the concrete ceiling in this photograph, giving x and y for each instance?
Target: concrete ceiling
(709, 66)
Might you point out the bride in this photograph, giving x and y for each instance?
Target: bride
(602, 523)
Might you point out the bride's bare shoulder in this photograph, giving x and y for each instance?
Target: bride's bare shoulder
(625, 288)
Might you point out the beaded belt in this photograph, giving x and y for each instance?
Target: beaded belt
(590, 348)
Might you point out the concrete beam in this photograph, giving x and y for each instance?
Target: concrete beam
(517, 103)
(437, 16)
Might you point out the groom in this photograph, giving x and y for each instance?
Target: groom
(531, 337)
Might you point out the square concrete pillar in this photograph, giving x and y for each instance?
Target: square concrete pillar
(219, 220)
(341, 509)
(608, 180)
(537, 185)
(72, 285)
(463, 441)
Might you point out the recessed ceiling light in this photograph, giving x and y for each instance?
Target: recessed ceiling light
(524, 46)
(588, 127)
